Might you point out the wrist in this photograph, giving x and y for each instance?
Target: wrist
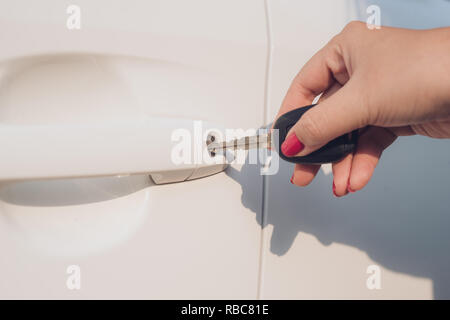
(443, 41)
(436, 43)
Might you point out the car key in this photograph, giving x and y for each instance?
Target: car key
(333, 151)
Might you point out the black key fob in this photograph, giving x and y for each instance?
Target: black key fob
(333, 151)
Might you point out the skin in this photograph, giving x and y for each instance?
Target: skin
(387, 83)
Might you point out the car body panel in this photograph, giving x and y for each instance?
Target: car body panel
(319, 246)
(233, 235)
(130, 238)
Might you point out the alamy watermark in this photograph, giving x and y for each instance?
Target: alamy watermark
(73, 21)
(190, 147)
(373, 282)
(374, 19)
(73, 281)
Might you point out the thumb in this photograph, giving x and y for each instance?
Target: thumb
(339, 114)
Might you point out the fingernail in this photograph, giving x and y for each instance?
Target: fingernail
(292, 178)
(334, 190)
(291, 145)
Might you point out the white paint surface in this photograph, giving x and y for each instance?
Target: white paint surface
(206, 60)
(133, 60)
(318, 246)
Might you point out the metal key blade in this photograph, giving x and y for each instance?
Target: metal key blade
(245, 143)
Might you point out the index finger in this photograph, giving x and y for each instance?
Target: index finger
(315, 77)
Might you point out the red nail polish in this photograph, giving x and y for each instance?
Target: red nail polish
(334, 190)
(291, 145)
(292, 178)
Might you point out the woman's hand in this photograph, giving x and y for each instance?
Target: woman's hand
(387, 83)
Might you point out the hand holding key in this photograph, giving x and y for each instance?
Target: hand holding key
(384, 83)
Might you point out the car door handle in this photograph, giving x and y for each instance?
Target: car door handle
(111, 148)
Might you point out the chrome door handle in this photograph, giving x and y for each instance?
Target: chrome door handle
(104, 149)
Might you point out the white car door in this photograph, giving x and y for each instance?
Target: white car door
(124, 236)
(235, 234)
(389, 240)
